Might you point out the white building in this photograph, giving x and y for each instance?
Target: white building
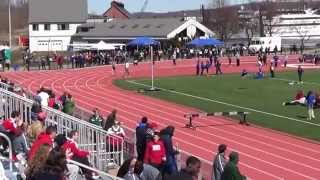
(294, 28)
(53, 22)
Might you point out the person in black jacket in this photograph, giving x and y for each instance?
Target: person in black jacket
(190, 172)
(141, 138)
(171, 163)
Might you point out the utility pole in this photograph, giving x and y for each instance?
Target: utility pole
(10, 30)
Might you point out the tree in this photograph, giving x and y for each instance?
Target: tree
(224, 21)
(218, 3)
(303, 35)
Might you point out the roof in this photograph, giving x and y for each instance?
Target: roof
(156, 28)
(120, 7)
(58, 11)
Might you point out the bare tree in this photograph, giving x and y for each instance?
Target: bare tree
(224, 21)
(303, 35)
(218, 3)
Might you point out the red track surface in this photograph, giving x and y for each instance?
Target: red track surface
(264, 154)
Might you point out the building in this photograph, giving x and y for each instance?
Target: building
(121, 31)
(117, 11)
(53, 22)
(294, 28)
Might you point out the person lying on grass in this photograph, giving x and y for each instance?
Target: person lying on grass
(299, 99)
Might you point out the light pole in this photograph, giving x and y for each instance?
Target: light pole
(10, 33)
(152, 69)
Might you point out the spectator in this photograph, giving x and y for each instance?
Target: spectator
(71, 144)
(219, 162)
(191, 171)
(38, 161)
(127, 168)
(60, 140)
(136, 173)
(46, 137)
(141, 138)
(63, 98)
(54, 168)
(96, 118)
(37, 127)
(109, 122)
(231, 170)
(155, 154)
(149, 172)
(44, 97)
(69, 105)
(11, 125)
(171, 163)
(36, 108)
(52, 101)
(70, 147)
(150, 131)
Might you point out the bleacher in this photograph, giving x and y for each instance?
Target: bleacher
(92, 138)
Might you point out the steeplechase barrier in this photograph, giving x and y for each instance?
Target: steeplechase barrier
(190, 117)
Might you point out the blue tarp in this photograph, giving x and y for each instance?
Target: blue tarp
(205, 42)
(143, 41)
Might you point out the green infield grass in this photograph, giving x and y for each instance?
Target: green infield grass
(262, 98)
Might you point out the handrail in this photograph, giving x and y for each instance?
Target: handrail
(104, 148)
(94, 170)
(10, 149)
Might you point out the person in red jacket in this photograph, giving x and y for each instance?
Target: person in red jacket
(11, 125)
(72, 145)
(155, 154)
(78, 155)
(44, 138)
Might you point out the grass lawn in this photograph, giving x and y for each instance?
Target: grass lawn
(263, 98)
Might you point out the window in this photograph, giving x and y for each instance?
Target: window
(47, 27)
(63, 27)
(35, 27)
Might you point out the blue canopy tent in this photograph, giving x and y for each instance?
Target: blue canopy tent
(143, 41)
(146, 41)
(205, 42)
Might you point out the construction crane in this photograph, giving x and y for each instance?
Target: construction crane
(145, 4)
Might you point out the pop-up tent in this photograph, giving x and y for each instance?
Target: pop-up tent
(205, 42)
(103, 46)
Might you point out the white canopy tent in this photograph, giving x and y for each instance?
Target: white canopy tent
(104, 46)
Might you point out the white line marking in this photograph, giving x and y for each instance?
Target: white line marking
(224, 103)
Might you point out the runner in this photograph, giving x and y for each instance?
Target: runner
(113, 68)
(126, 69)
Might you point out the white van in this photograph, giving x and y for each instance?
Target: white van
(257, 43)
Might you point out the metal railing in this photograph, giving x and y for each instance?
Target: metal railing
(102, 174)
(130, 148)
(6, 138)
(105, 150)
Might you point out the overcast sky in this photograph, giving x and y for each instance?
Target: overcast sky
(99, 6)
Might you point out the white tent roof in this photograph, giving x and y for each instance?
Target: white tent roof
(4, 47)
(103, 46)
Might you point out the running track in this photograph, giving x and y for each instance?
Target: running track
(264, 154)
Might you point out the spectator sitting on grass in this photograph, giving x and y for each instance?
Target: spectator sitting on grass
(244, 73)
(299, 99)
(231, 170)
(96, 118)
